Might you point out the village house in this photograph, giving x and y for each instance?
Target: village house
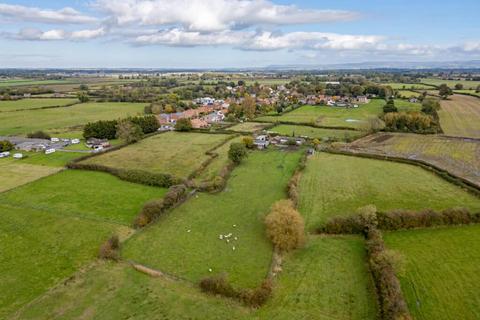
(199, 124)
(261, 141)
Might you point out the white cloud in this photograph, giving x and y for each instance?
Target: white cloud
(215, 15)
(32, 14)
(57, 34)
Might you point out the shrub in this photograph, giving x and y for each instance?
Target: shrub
(285, 226)
(148, 124)
(6, 145)
(218, 285)
(248, 142)
(257, 297)
(390, 106)
(110, 249)
(39, 135)
(183, 124)
(237, 152)
(292, 188)
(409, 122)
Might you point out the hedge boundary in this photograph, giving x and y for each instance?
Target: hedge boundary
(306, 124)
(46, 107)
(450, 177)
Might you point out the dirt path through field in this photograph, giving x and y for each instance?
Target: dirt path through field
(460, 116)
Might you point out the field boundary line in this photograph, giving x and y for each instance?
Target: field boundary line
(442, 173)
(43, 108)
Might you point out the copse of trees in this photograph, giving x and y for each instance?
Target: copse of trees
(390, 106)
(107, 129)
(183, 124)
(128, 131)
(458, 86)
(430, 106)
(409, 122)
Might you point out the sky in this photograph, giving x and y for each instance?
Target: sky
(234, 33)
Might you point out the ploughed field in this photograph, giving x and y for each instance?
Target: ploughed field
(458, 156)
(460, 116)
(339, 116)
(23, 122)
(441, 279)
(175, 153)
(334, 185)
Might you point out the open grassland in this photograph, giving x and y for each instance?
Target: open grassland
(460, 116)
(455, 155)
(39, 249)
(253, 187)
(26, 104)
(451, 83)
(408, 94)
(117, 291)
(56, 159)
(328, 279)
(319, 133)
(471, 92)
(414, 86)
(175, 153)
(334, 185)
(249, 127)
(31, 82)
(441, 279)
(14, 173)
(219, 162)
(339, 117)
(22, 122)
(92, 195)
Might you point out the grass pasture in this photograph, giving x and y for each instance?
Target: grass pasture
(456, 155)
(27, 104)
(23, 122)
(334, 185)
(451, 83)
(408, 94)
(472, 92)
(116, 291)
(249, 127)
(40, 249)
(252, 188)
(319, 133)
(339, 117)
(175, 153)
(460, 116)
(441, 279)
(327, 279)
(14, 173)
(406, 86)
(30, 82)
(91, 195)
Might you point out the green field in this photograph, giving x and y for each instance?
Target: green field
(93, 195)
(415, 86)
(15, 173)
(175, 153)
(250, 192)
(408, 94)
(457, 156)
(26, 104)
(40, 248)
(22, 122)
(116, 291)
(339, 117)
(441, 279)
(335, 185)
(319, 133)
(249, 127)
(30, 82)
(451, 83)
(460, 116)
(472, 92)
(328, 279)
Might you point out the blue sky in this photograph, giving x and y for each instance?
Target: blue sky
(234, 33)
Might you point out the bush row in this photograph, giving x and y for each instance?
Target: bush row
(109, 250)
(154, 209)
(136, 176)
(107, 129)
(382, 266)
(402, 219)
(219, 285)
(219, 182)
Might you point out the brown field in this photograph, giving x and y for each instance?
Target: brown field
(456, 155)
(460, 116)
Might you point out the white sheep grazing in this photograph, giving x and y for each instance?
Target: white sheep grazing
(235, 238)
(189, 230)
(228, 240)
(220, 237)
(234, 225)
(233, 248)
(210, 270)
